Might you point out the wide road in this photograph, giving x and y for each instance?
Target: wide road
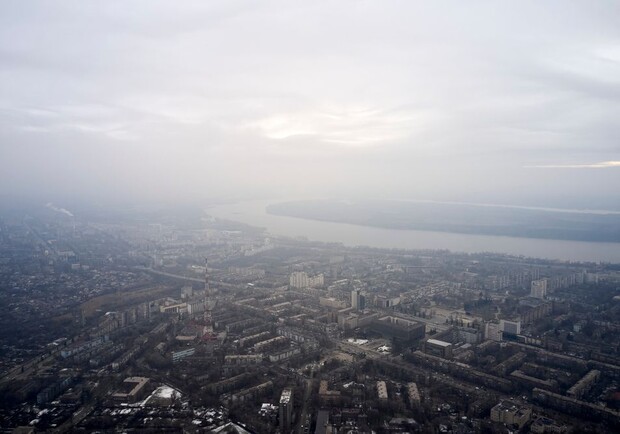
(175, 276)
(29, 368)
(304, 419)
(190, 279)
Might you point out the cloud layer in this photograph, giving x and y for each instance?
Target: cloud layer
(147, 100)
(601, 165)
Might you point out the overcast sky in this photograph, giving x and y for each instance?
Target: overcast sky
(148, 100)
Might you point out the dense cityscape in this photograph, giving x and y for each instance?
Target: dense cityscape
(180, 322)
(309, 217)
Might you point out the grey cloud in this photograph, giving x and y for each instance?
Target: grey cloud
(601, 165)
(304, 98)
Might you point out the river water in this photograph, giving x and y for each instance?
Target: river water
(253, 213)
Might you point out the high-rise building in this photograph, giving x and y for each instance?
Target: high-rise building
(298, 279)
(358, 301)
(316, 281)
(509, 328)
(492, 331)
(539, 288)
(286, 409)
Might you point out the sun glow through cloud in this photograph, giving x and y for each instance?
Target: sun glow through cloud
(347, 127)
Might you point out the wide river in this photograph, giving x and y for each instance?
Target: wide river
(253, 213)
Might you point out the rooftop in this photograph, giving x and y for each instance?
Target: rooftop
(285, 398)
(438, 342)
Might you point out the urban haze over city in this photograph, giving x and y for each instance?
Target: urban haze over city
(310, 217)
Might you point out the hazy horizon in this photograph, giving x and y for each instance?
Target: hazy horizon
(151, 103)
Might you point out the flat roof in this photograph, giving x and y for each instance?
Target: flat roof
(285, 398)
(382, 389)
(139, 384)
(438, 342)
